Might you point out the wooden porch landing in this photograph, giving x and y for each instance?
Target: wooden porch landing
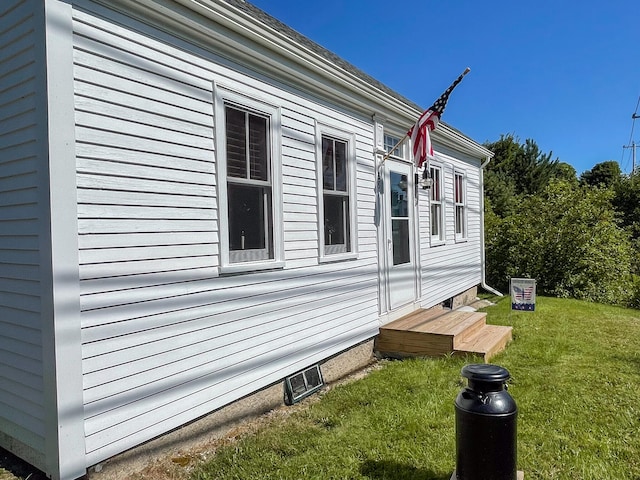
(436, 332)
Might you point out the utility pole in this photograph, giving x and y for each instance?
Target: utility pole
(633, 146)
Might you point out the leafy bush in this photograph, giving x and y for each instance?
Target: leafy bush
(568, 239)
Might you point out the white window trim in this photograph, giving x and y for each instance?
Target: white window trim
(222, 97)
(442, 237)
(460, 237)
(350, 139)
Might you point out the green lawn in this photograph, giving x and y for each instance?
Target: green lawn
(576, 380)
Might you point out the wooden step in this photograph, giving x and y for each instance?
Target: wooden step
(429, 332)
(485, 342)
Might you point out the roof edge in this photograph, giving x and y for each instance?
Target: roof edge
(364, 93)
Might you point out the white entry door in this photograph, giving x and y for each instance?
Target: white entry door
(400, 233)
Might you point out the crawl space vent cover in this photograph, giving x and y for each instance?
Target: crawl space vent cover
(303, 384)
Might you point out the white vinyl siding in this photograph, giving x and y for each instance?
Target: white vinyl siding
(167, 335)
(451, 267)
(22, 219)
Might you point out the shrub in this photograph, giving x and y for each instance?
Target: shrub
(568, 239)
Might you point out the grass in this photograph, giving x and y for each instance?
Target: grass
(576, 378)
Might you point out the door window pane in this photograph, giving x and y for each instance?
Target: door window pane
(401, 252)
(437, 231)
(399, 202)
(399, 189)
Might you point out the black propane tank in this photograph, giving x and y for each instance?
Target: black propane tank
(485, 425)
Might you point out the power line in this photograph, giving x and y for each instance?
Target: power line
(632, 144)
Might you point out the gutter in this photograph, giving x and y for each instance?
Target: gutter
(483, 261)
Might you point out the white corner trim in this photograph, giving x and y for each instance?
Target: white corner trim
(62, 349)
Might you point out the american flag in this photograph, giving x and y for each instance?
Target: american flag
(524, 294)
(428, 121)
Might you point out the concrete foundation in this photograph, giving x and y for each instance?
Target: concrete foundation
(464, 298)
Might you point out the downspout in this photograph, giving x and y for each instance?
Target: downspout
(483, 260)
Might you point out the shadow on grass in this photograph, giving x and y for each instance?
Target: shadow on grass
(390, 470)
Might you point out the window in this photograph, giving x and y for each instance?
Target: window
(335, 196)
(336, 157)
(437, 212)
(248, 184)
(460, 206)
(390, 142)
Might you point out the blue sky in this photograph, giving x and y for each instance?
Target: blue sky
(565, 73)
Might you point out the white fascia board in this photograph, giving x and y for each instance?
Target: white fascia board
(238, 21)
(296, 65)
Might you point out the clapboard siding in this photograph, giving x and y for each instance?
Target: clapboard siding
(218, 323)
(454, 266)
(213, 348)
(123, 317)
(144, 161)
(21, 217)
(165, 338)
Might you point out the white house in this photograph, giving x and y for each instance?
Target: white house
(190, 212)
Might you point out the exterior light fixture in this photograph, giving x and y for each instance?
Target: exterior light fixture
(426, 181)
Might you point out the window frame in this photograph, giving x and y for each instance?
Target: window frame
(230, 262)
(437, 186)
(460, 203)
(329, 253)
(389, 141)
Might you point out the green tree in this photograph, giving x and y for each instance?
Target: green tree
(604, 174)
(567, 173)
(518, 169)
(627, 202)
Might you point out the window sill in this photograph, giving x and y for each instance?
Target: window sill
(462, 239)
(338, 257)
(249, 267)
(437, 243)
